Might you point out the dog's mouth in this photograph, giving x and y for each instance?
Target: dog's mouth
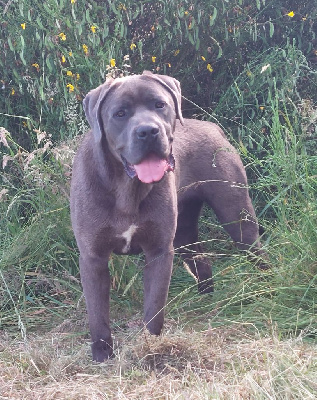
(151, 169)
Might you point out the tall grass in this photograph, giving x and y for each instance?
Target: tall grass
(39, 270)
(38, 261)
(284, 185)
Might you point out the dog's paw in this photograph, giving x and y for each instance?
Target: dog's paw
(102, 350)
(263, 265)
(206, 286)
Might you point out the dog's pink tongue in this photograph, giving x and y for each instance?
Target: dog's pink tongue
(151, 169)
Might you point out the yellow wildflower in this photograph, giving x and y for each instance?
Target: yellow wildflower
(209, 67)
(85, 48)
(153, 59)
(112, 63)
(176, 52)
(262, 108)
(186, 12)
(12, 92)
(62, 36)
(291, 14)
(73, 1)
(23, 25)
(69, 73)
(36, 66)
(169, 65)
(122, 7)
(132, 46)
(77, 76)
(70, 87)
(203, 58)
(70, 53)
(63, 59)
(93, 28)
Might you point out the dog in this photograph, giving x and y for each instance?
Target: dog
(139, 181)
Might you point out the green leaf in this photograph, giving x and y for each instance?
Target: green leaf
(80, 29)
(39, 22)
(114, 8)
(105, 32)
(41, 91)
(271, 29)
(16, 74)
(122, 30)
(22, 42)
(219, 52)
(10, 44)
(68, 23)
(88, 16)
(213, 17)
(190, 38)
(21, 7)
(49, 63)
(22, 57)
(197, 45)
(73, 14)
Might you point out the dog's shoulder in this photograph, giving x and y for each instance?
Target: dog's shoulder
(200, 133)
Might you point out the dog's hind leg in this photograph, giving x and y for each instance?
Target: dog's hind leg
(233, 207)
(186, 244)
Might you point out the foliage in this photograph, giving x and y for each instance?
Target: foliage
(53, 52)
(249, 65)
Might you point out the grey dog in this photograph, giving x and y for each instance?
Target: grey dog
(140, 178)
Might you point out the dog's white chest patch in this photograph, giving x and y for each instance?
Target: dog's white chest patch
(127, 235)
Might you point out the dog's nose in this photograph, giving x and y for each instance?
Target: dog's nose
(147, 132)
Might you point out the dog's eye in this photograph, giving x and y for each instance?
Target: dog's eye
(160, 104)
(120, 113)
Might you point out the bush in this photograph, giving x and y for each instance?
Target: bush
(53, 52)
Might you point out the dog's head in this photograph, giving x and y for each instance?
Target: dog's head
(135, 116)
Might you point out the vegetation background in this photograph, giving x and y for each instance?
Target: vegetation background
(249, 65)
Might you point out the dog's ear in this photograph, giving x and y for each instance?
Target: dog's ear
(92, 103)
(174, 87)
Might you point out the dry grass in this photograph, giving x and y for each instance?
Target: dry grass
(221, 363)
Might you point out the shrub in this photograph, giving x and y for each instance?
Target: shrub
(53, 52)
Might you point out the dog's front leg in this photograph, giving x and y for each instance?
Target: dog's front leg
(95, 278)
(157, 276)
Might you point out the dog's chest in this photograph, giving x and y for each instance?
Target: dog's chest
(127, 236)
(126, 239)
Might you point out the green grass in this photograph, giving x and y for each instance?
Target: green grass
(39, 257)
